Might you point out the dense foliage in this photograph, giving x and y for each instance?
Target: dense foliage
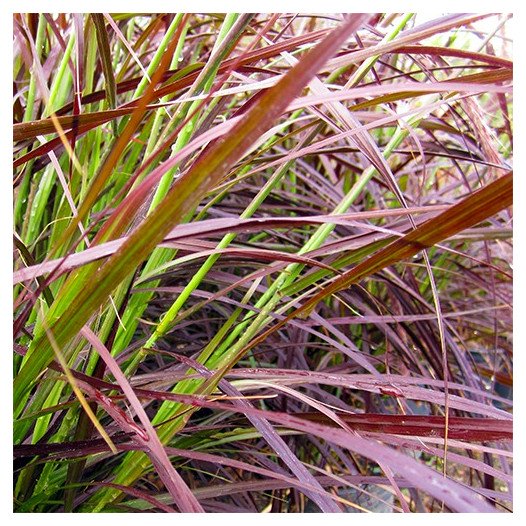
(262, 263)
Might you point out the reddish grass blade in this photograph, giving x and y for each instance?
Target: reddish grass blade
(139, 494)
(105, 56)
(210, 227)
(460, 428)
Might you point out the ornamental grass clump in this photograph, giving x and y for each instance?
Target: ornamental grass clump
(262, 263)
